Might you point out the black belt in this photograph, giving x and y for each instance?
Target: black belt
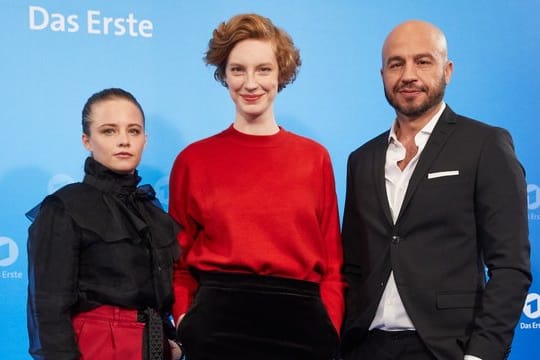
(154, 338)
(393, 335)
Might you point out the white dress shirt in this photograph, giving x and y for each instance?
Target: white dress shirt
(391, 314)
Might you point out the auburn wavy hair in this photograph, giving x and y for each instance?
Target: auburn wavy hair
(252, 26)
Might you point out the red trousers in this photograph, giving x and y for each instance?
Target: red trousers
(109, 333)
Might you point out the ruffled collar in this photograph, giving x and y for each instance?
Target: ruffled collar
(109, 181)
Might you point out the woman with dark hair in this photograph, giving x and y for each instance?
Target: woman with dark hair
(101, 252)
(260, 274)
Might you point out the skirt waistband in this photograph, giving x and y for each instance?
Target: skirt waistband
(116, 313)
(110, 312)
(146, 331)
(245, 281)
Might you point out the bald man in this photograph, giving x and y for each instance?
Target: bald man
(431, 204)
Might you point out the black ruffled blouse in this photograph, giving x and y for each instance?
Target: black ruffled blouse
(102, 241)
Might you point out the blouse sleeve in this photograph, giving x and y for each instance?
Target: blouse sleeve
(332, 284)
(52, 283)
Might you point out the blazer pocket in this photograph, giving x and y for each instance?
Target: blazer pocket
(440, 178)
(457, 300)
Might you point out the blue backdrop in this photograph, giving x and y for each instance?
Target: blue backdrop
(56, 53)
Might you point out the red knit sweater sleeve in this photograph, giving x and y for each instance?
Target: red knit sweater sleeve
(184, 283)
(332, 284)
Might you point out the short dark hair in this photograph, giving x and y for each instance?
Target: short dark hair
(103, 95)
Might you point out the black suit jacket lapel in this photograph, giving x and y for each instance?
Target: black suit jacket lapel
(379, 162)
(435, 144)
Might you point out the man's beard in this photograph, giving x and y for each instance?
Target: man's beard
(433, 98)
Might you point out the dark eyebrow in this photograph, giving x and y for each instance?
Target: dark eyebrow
(116, 125)
(424, 55)
(394, 58)
(416, 57)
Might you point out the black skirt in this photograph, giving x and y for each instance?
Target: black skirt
(254, 317)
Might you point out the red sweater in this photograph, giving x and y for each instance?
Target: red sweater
(257, 204)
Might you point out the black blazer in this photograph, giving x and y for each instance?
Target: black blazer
(465, 211)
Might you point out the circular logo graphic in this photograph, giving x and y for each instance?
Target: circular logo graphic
(58, 181)
(9, 251)
(533, 196)
(531, 309)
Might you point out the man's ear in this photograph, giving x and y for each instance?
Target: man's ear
(448, 70)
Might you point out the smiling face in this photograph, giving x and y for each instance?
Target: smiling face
(415, 69)
(116, 135)
(252, 78)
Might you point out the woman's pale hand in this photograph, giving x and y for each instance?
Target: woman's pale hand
(176, 352)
